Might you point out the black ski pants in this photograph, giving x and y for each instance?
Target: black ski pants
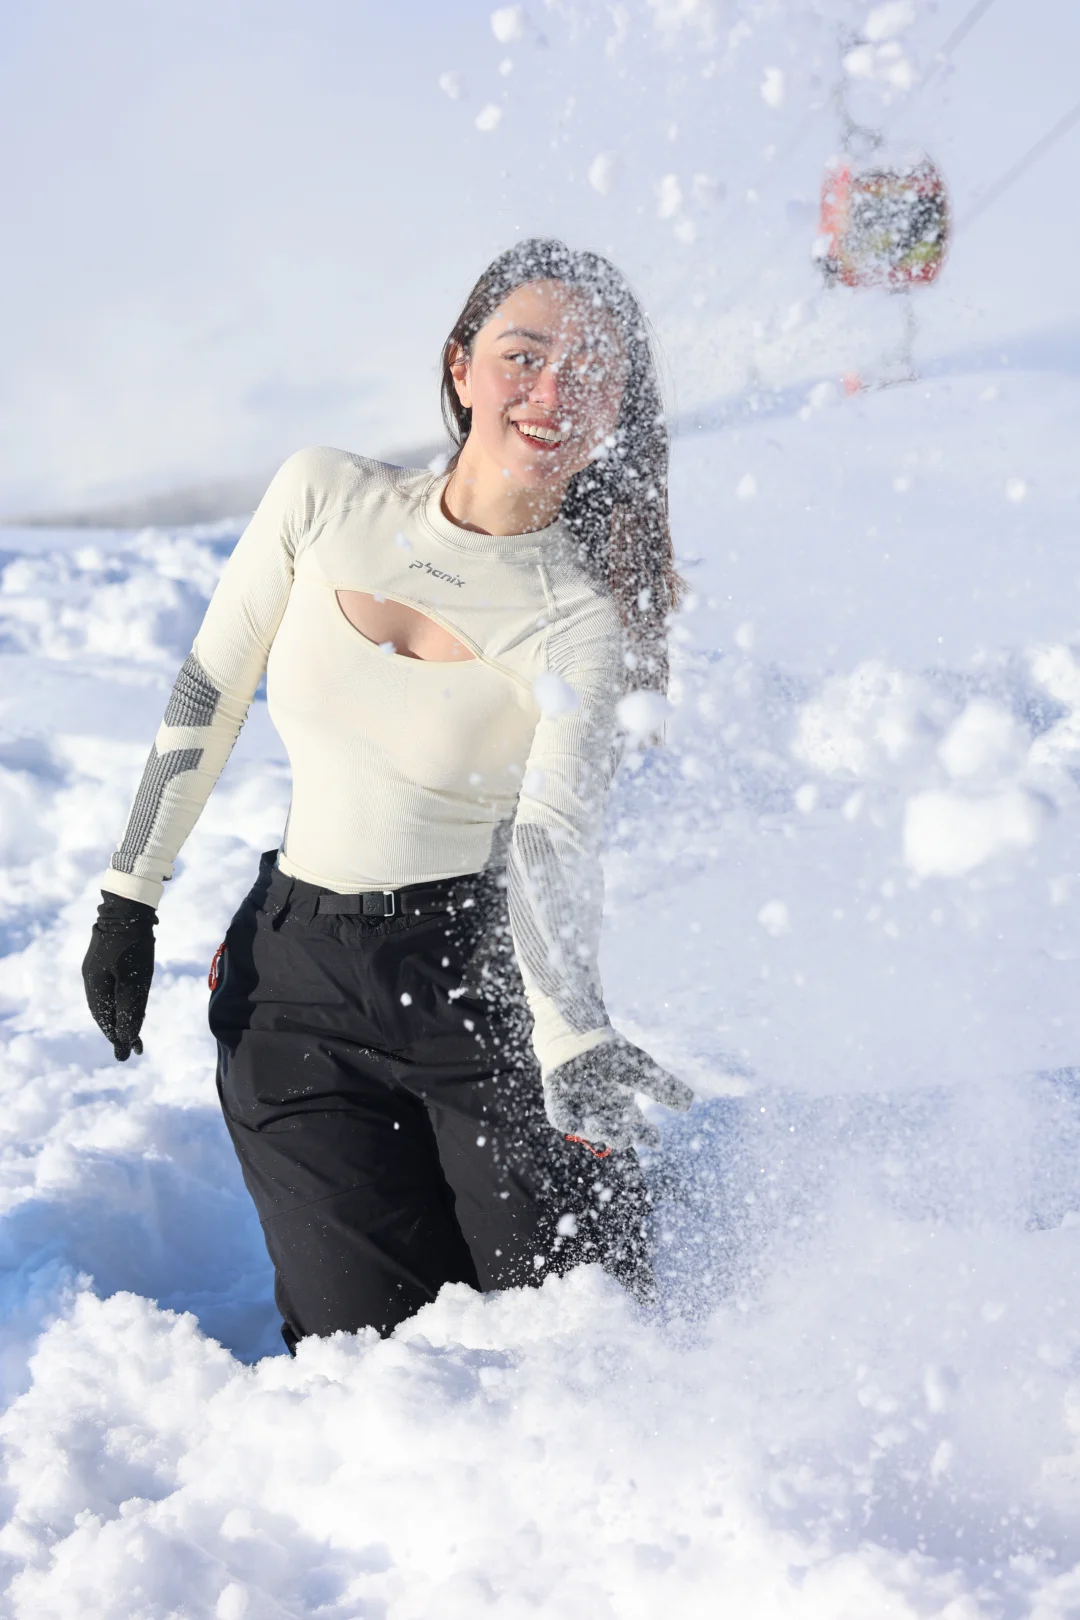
(377, 1081)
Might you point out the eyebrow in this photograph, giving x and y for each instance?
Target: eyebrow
(524, 332)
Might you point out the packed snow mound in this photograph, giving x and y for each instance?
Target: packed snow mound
(841, 903)
(553, 1453)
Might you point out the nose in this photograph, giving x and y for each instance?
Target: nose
(546, 389)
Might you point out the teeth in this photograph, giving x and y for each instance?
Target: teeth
(545, 435)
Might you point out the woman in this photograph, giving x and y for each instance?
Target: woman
(443, 658)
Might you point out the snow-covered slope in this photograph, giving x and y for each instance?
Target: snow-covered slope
(843, 903)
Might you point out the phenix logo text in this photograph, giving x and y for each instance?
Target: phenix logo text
(437, 573)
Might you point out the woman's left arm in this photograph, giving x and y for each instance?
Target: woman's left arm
(556, 891)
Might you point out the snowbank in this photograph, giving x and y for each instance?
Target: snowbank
(550, 1453)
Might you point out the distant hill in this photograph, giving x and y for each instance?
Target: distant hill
(194, 503)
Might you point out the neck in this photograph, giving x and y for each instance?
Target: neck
(480, 497)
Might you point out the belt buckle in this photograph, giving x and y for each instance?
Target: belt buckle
(389, 903)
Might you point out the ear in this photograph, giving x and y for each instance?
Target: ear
(459, 371)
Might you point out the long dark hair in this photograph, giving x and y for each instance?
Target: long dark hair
(616, 507)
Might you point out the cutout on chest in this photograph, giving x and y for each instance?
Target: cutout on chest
(401, 629)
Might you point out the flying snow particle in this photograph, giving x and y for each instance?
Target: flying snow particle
(232, 1603)
(939, 1386)
(744, 637)
(942, 1460)
(604, 173)
(772, 87)
(641, 713)
(489, 118)
(886, 62)
(706, 191)
(901, 483)
(894, 67)
(508, 23)
(1016, 490)
(891, 18)
(948, 834)
(405, 999)
(554, 696)
(685, 231)
(985, 741)
(668, 196)
(822, 394)
(450, 85)
(806, 797)
(859, 63)
(746, 488)
(774, 918)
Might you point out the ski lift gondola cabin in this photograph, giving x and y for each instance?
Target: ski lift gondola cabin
(883, 224)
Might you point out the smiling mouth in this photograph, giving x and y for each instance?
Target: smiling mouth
(547, 438)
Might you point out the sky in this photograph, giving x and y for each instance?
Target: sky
(233, 229)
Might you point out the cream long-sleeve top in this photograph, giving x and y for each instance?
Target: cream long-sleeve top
(403, 770)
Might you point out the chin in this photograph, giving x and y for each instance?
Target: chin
(541, 471)
(542, 477)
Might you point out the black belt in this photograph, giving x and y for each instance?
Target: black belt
(416, 900)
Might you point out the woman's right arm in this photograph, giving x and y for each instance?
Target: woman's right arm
(216, 685)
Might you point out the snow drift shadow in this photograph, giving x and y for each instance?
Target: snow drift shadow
(147, 1223)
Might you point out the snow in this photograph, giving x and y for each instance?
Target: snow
(641, 713)
(885, 21)
(604, 173)
(508, 23)
(669, 197)
(772, 87)
(841, 903)
(554, 696)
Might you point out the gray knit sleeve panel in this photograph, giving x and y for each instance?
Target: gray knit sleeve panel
(197, 734)
(192, 706)
(194, 698)
(149, 799)
(553, 921)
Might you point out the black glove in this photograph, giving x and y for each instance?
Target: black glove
(592, 1096)
(118, 968)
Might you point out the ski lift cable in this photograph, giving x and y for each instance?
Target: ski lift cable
(958, 35)
(1021, 166)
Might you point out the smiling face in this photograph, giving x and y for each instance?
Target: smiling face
(544, 381)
